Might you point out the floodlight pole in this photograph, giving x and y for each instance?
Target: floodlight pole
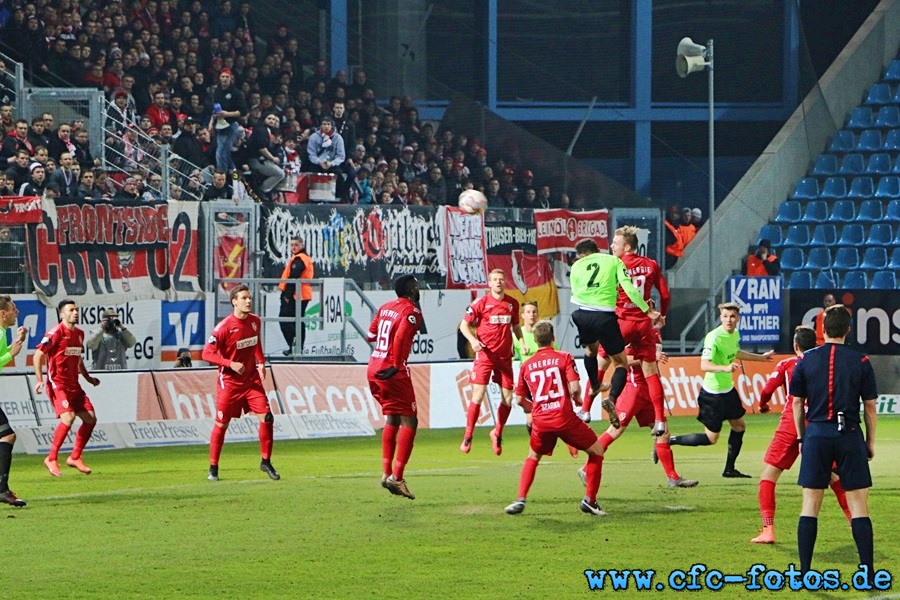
(712, 174)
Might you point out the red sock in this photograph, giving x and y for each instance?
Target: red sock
(841, 496)
(588, 401)
(664, 452)
(81, 439)
(216, 439)
(405, 441)
(527, 477)
(502, 416)
(656, 396)
(388, 445)
(606, 440)
(59, 436)
(472, 417)
(594, 471)
(266, 435)
(767, 502)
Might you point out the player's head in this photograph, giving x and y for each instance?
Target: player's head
(624, 241)
(8, 311)
(837, 321)
(497, 281)
(729, 315)
(804, 338)
(529, 312)
(68, 311)
(586, 247)
(543, 333)
(241, 299)
(407, 286)
(297, 245)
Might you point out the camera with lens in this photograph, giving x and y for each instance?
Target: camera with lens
(184, 359)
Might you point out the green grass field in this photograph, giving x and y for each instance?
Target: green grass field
(147, 524)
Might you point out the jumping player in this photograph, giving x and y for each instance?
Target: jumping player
(234, 347)
(393, 329)
(550, 378)
(62, 346)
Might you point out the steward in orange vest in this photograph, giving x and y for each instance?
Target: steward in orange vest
(299, 266)
(762, 263)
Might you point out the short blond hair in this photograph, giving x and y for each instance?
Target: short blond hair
(730, 306)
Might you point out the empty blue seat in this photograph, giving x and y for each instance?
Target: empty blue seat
(860, 118)
(771, 233)
(888, 117)
(825, 234)
(835, 188)
(818, 258)
(879, 164)
(855, 280)
(895, 259)
(826, 280)
(893, 71)
(888, 187)
(861, 188)
(879, 93)
(797, 235)
(816, 212)
(792, 258)
(799, 280)
(892, 213)
(851, 235)
(843, 211)
(874, 258)
(870, 211)
(846, 258)
(881, 234)
(852, 164)
(825, 165)
(892, 141)
(806, 189)
(869, 141)
(843, 141)
(884, 280)
(788, 212)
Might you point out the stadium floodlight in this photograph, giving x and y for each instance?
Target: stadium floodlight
(691, 57)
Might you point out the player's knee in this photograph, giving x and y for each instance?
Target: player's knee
(269, 418)
(223, 424)
(409, 422)
(712, 436)
(9, 439)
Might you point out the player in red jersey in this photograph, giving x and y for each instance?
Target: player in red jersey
(62, 346)
(637, 328)
(784, 448)
(393, 329)
(235, 348)
(550, 379)
(489, 325)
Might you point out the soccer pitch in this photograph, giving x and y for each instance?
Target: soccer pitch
(147, 523)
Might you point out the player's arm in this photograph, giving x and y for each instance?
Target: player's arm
(798, 391)
(212, 355)
(869, 417)
(665, 298)
(632, 292)
(571, 375)
(373, 329)
(775, 381)
(708, 366)
(38, 361)
(7, 354)
(523, 395)
(466, 329)
(260, 361)
(517, 331)
(82, 368)
(765, 356)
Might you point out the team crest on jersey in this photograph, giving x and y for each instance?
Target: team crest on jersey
(247, 342)
(65, 404)
(70, 351)
(254, 326)
(220, 415)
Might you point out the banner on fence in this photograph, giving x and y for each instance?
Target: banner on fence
(230, 252)
(466, 249)
(558, 230)
(20, 210)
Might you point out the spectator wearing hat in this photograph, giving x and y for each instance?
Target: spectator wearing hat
(188, 147)
(405, 169)
(36, 181)
(110, 343)
(761, 263)
(129, 191)
(526, 179)
(229, 106)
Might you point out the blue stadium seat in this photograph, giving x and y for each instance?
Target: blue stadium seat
(825, 165)
(771, 233)
(816, 212)
(888, 117)
(852, 164)
(818, 258)
(879, 93)
(881, 234)
(870, 211)
(892, 141)
(861, 188)
(895, 259)
(893, 71)
(788, 212)
(797, 235)
(879, 164)
(851, 235)
(835, 188)
(892, 214)
(843, 211)
(855, 280)
(825, 234)
(860, 118)
(846, 258)
(869, 141)
(807, 189)
(799, 280)
(888, 187)
(874, 258)
(884, 280)
(792, 258)
(842, 142)
(826, 280)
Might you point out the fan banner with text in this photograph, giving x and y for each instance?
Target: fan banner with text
(466, 249)
(19, 210)
(558, 230)
(529, 277)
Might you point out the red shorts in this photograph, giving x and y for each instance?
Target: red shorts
(395, 395)
(576, 433)
(231, 403)
(783, 450)
(64, 401)
(634, 402)
(641, 336)
(483, 367)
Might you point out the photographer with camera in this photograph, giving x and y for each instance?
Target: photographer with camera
(110, 342)
(761, 263)
(184, 360)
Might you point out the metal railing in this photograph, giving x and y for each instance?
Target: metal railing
(707, 309)
(12, 81)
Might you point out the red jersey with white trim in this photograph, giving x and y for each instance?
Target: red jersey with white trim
(781, 377)
(236, 340)
(645, 275)
(493, 320)
(393, 329)
(63, 347)
(546, 376)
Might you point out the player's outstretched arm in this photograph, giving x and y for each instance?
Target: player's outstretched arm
(765, 356)
(38, 362)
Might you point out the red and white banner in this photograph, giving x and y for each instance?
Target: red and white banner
(466, 249)
(230, 252)
(558, 230)
(18, 210)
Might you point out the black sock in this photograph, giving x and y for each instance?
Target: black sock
(617, 384)
(807, 529)
(862, 535)
(591, 365)
(735, 441)
(690, 439)
(6, 461)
